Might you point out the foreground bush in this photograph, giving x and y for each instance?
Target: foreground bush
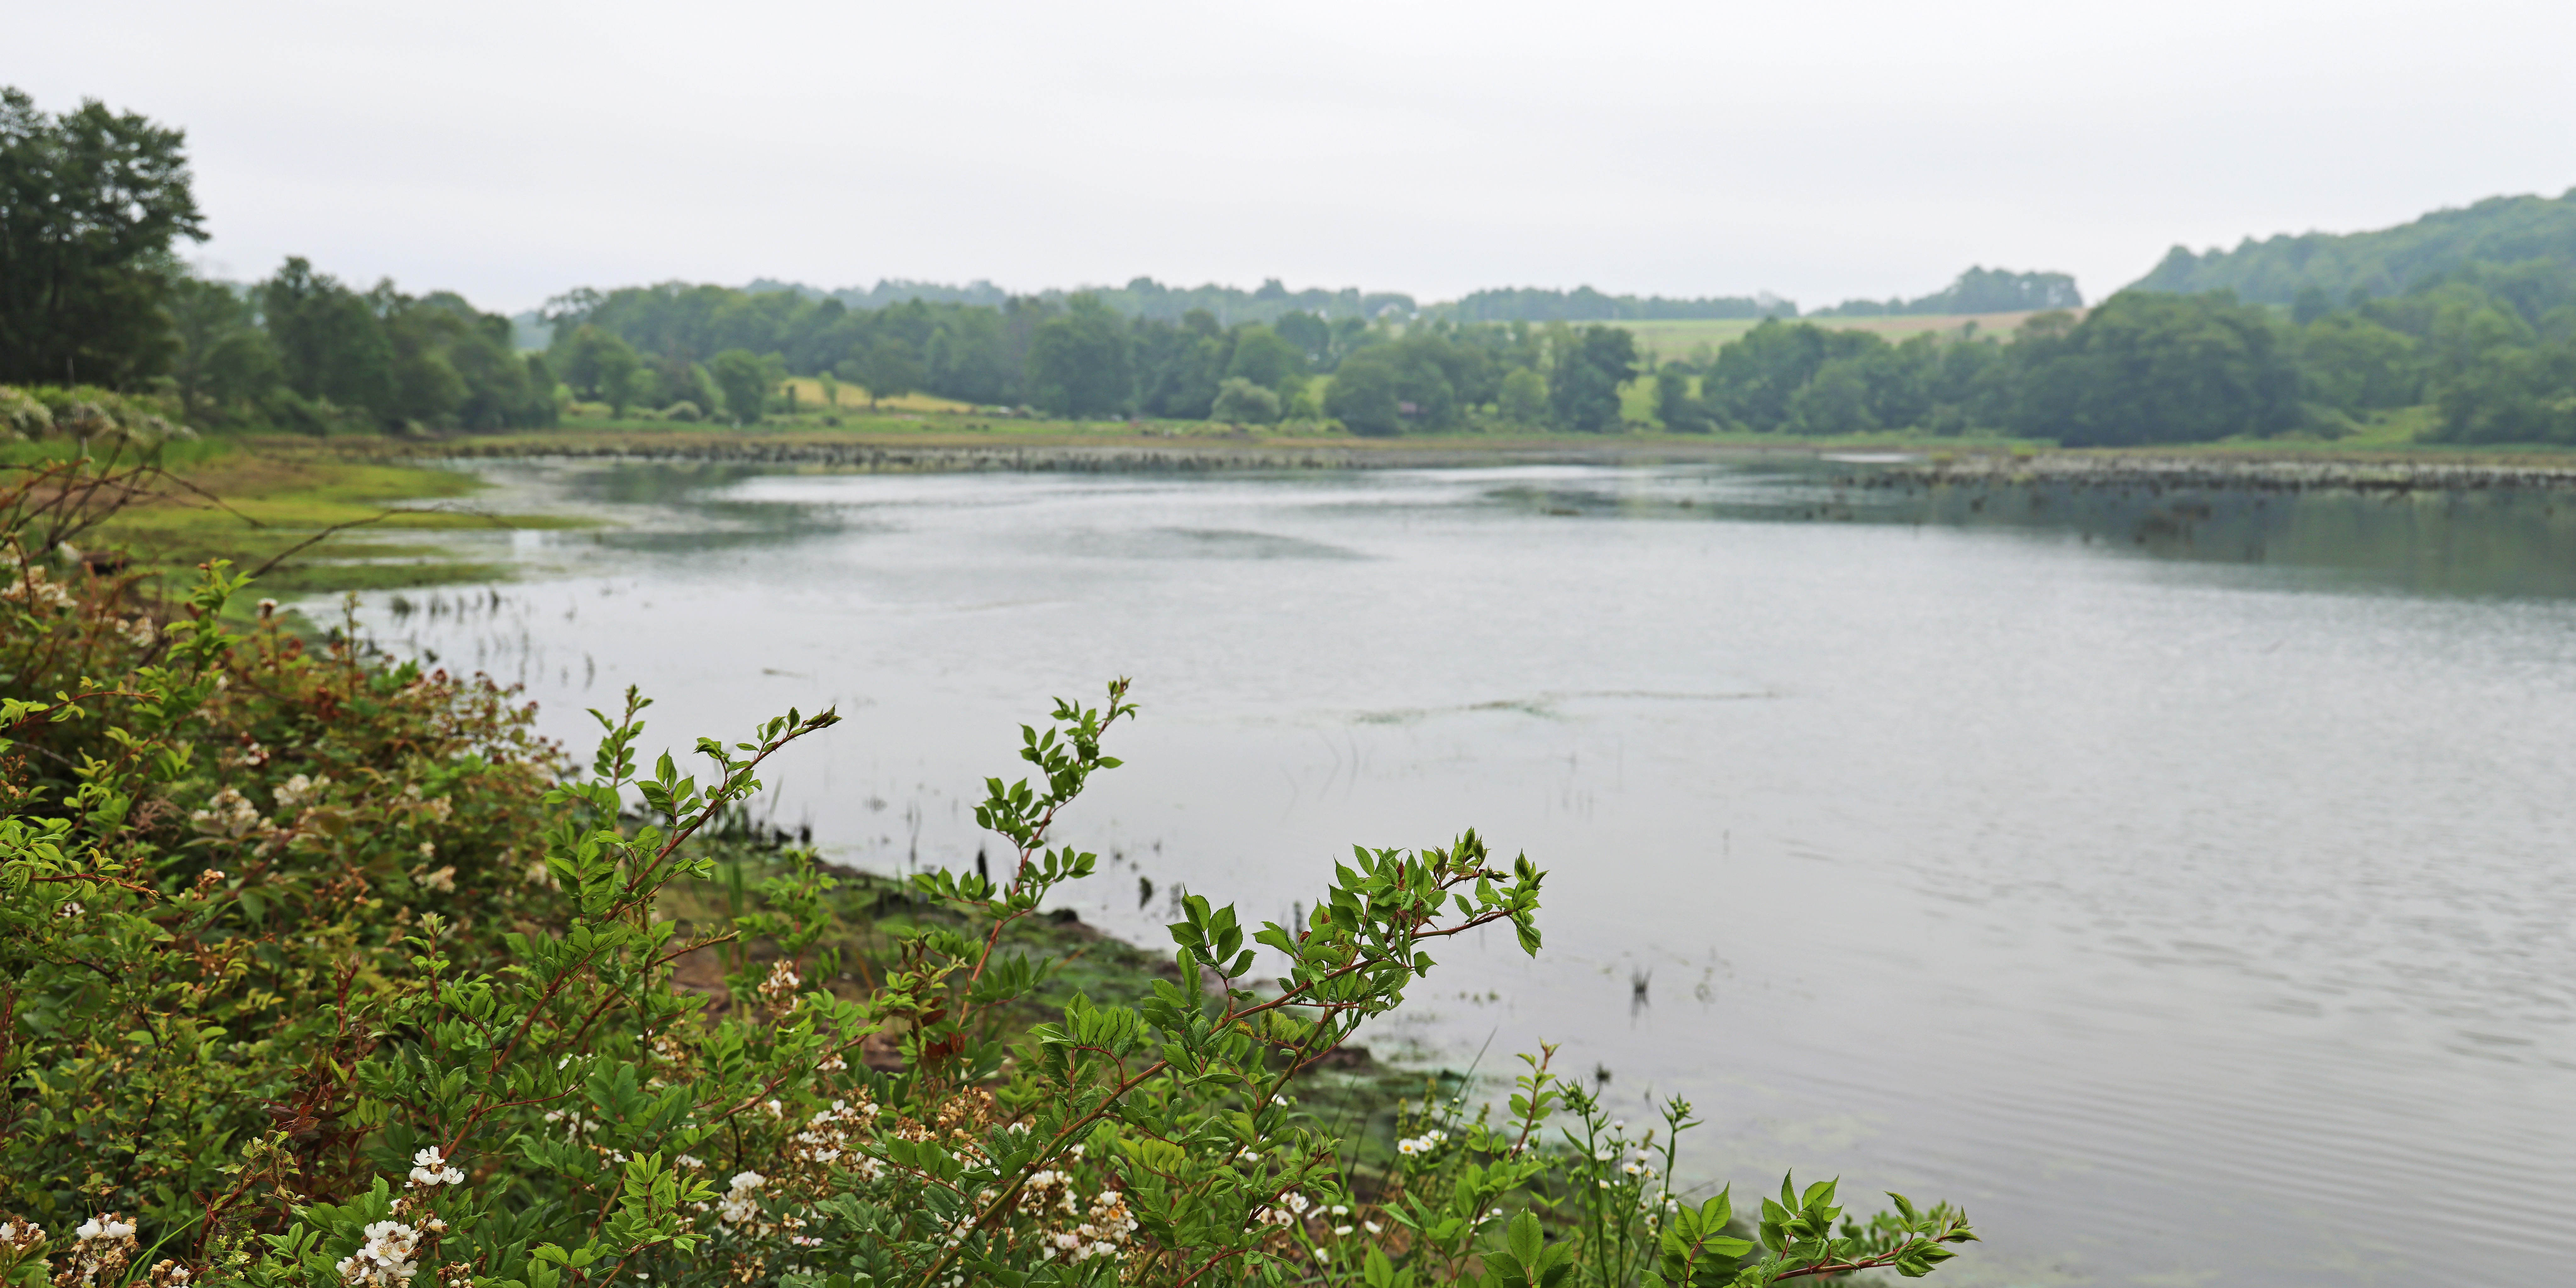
(317, 969)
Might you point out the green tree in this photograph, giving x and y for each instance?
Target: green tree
(90, 204)
(599, 364)
(2354, 364)
(1589, 372)
(1366, 396)
(1078, 362)
(1674, 406)
(1523, 398)
(1242, 402)
(224, 361)
(746, 379)
(2149, 368)
(1268, 359)
(1837, 401)
(892, 369)
(330, 343)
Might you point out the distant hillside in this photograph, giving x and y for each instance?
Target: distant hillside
(1584, 304)
(1141, 297)
(2498, 230)
(1979, 290)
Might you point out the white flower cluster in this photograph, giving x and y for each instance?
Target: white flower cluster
(1105, 1234)
(1291, 1206)
(105, 1225)
(385, 1260)
(574, 1123)
(779, 990)
(429, 1167)
(142, 631)
(100, 1247)
(229, 815)
(300, 792)
(741, 1202)
(1415, 1146)
(826, 1137)
(34, 591)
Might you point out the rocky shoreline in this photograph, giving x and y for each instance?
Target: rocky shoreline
(2276, 474)
(1868, 466)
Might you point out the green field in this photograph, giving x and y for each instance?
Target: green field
(1666, 340)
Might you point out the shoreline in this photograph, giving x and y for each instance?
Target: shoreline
(1909, 463)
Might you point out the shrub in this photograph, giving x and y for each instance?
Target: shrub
(314, 971)
(1245, 403)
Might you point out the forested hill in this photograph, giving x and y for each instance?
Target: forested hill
(2498, 230)
(1141, 297)
(1979, 290)
(1584, 304)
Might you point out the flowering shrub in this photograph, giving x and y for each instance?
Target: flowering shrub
(316, 969)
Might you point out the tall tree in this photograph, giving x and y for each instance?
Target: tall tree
(2150, 368)
(90, 203)
(329, 340)
(1078, 362)
(1589, 371)
(746, 379)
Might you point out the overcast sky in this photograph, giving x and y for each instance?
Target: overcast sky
(1818, 149)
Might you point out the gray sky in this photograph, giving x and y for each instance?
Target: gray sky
(1820, 150)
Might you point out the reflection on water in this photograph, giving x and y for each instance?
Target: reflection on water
(2176, 879)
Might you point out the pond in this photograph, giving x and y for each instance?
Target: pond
(2179, 881)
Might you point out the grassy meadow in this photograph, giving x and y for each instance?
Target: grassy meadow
(1681, 338)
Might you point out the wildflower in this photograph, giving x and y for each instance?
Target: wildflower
(385, 1259)
(266, 608)
(1341, 1230)
(1371, 1226)
(295, 791)
(741, 1204)
(429, 849)
(34, 591)
(70, 908)
(100, 1248)
(779, 990)
(143, 633)
(442, 880)
(228, 815)
(429, 1167)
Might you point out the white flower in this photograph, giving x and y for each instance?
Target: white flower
(740, 1204)
(385, 1260)
(430, 1168)
(443, 880)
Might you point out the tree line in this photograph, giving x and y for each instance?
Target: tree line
(92, 203)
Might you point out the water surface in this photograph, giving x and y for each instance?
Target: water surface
(2180, 882)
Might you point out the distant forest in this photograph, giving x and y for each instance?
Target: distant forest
(2461, 325)
(2496, 231)
(1979, 290)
